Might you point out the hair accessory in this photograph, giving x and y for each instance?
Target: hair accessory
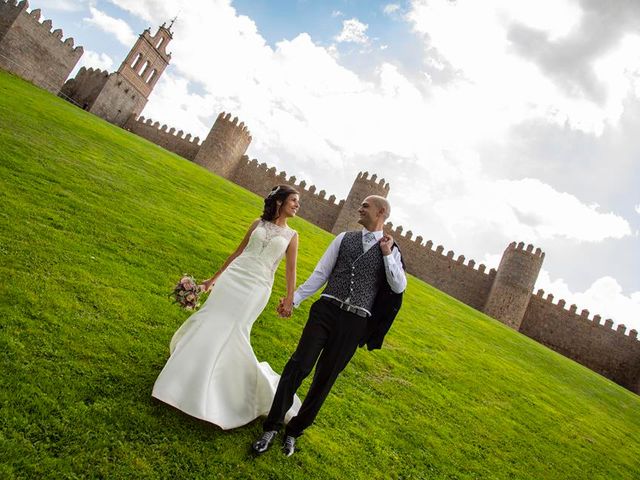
(274, 191)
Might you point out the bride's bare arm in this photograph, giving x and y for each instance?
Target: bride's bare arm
(209, 282)
(292, 259)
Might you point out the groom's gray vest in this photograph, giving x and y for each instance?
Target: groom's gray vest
(356, 276)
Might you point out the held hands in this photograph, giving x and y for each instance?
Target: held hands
(386, 242)
(285, 307)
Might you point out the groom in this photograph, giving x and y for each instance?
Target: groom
(365, 278)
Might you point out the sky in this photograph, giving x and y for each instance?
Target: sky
(493, 121)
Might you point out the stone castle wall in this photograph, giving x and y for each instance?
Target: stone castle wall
(467, 282)
(31, 50)
(118, 101)
(514, 282)
(169, 139)
(85, 87)
(588, 341)
(9, 12)
(314, 206)
(222, 150)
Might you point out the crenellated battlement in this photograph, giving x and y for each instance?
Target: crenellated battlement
(406, 241)
(47, 26)
(232, 123)
(262, 169)
(15, 8)
(571, 313)
(91, 72)
(363, 177)
(33, 50)
(177, 142)
(12, 7)
(315, 206)
(223, 150)
(520, 247)
(576, 334)
(179, 134)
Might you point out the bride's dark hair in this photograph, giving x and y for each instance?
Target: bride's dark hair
(279, 193)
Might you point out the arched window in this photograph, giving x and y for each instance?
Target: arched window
(144, 70)
(160, 42)
(152, 76)
(137, 61)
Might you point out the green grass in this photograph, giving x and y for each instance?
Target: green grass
(97, 225)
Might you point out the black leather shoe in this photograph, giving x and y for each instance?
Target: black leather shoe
(289, 445)
(264, 442)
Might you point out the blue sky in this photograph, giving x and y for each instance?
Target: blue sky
(493, 121)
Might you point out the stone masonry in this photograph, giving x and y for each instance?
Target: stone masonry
(119, 96)
(31, 50)
(505, 293)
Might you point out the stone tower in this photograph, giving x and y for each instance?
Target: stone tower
(147, 60)
(118, 96)
(226, 143)
(513, 284)
(363, 186)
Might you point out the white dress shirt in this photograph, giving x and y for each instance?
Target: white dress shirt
(392, 267)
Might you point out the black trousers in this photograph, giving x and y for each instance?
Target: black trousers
(330, 338)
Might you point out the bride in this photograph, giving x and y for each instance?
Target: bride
(212, 372)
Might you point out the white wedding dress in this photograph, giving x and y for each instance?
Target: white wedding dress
(212, 372)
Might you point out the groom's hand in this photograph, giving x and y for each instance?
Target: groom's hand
(386, 242)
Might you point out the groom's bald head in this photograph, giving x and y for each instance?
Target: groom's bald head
(380, 203)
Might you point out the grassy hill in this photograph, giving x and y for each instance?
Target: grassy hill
(97, 225)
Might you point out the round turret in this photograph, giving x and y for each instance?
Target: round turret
(363, 186)
(224, 146)
(513, 284)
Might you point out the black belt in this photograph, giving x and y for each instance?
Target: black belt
(346, 307)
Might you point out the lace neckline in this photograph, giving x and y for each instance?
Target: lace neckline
(276, 225)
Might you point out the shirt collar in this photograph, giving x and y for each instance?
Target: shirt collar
(377, 234)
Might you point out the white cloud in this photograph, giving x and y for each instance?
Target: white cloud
(391, 8)
(509, 87)
(115, 26)
(353, 31)
(604, 297)
(528, 210)
(638, 208)
(149, 10)
(337, 13)
(93, 59)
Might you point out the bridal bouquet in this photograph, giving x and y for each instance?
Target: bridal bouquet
(187, 293)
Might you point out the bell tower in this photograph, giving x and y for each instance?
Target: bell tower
(119, 96)
(147, 60)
